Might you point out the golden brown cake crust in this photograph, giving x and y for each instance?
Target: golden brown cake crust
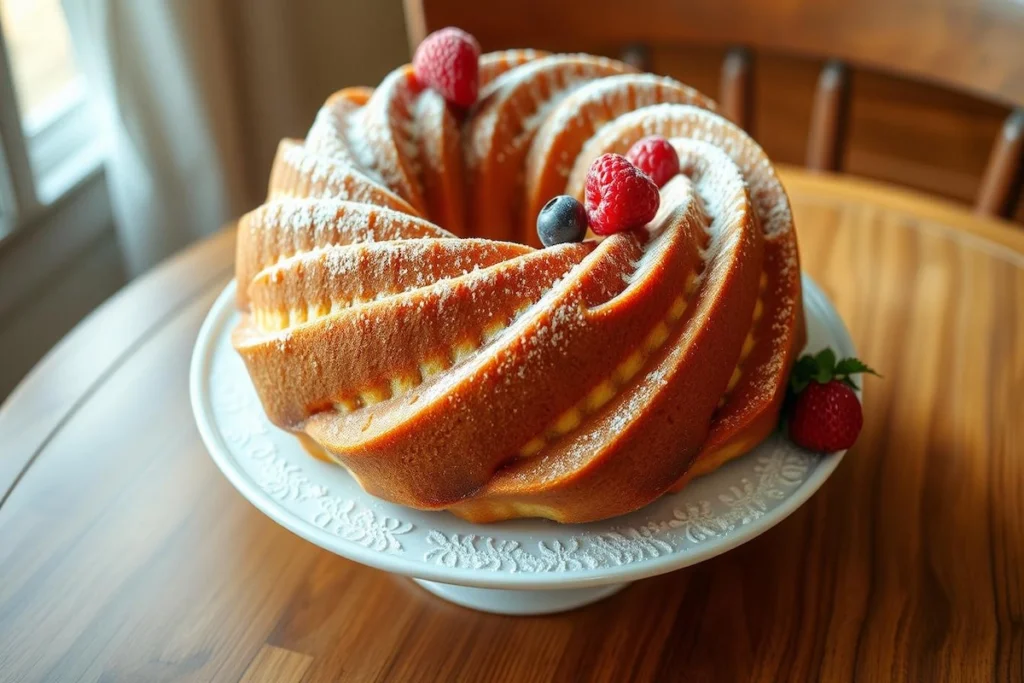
(395, 317)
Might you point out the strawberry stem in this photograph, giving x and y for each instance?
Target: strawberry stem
(823, 367)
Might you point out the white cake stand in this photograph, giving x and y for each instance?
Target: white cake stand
(515, 567)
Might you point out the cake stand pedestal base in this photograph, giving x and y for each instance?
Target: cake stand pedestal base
(520, 602)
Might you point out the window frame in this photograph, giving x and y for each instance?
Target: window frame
(17, 184)
(63, 146)
(43, 157)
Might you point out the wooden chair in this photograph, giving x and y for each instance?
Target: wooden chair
(971, 46)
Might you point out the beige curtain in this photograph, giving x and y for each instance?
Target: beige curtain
(193, 96)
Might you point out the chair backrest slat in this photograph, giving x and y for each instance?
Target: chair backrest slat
(736, 95)
(637, 55)
(828, 118)
(1000, 186)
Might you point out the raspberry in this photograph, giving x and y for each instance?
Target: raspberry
(619, 196)
(656, 157)
(448, 61)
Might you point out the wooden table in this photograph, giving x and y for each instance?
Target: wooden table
(125, 555)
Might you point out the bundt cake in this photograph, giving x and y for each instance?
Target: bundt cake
(399, 316)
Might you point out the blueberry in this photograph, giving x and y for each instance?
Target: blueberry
(563, 219)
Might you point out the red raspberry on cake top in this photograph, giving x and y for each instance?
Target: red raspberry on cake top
(448, 61)
(619, 196)
(655, 156)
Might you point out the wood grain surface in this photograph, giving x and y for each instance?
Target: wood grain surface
(126, 556)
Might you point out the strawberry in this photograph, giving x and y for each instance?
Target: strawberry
(826, 417)
(448, 61)
(826, 414)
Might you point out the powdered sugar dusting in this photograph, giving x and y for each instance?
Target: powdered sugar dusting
(544, 82)
(429, 107)
(382, 136)
(493, 64)
(331, 250)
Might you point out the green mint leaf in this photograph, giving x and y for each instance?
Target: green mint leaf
(853, 366)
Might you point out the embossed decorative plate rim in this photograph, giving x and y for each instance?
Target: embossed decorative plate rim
(321, 503)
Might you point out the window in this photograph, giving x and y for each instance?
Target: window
(38, 42)
(48, 144)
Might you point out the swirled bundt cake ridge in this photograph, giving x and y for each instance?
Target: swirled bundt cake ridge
(395, 314)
